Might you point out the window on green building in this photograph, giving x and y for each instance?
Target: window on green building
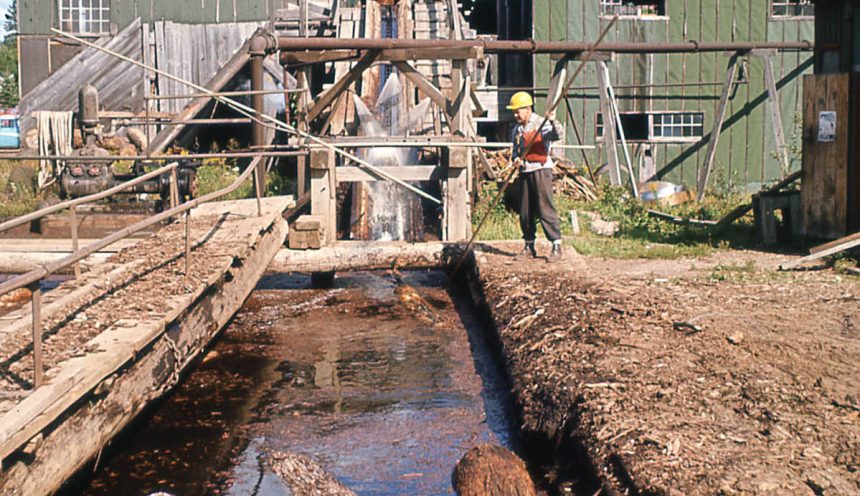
(660, 127)
(792, 8)
(85, 16)
(633, 7)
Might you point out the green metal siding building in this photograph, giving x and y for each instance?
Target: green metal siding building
(746, 153)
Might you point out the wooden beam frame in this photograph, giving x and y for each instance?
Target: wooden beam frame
(773, 104)
(351, 174)
(329, 96)
(719, 118)
(423, 84)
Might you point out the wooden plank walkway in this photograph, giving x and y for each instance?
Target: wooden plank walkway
(120, 337)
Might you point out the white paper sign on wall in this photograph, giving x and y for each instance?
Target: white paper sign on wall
(827, 126)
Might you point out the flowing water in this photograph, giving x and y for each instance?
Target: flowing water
(391, 206)
(384, 381)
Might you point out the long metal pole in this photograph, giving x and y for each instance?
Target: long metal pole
(550, 109)
(248, 111)
(533, 46)
(49, 268)
(157, 158)
(613, 107)
(37, 333)
(225, 93)
(73, 227)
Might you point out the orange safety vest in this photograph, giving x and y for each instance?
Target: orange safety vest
(538, 152)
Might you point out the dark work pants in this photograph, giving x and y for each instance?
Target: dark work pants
(536, 203)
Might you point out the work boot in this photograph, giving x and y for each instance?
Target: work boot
(528, 252)
(555, 254)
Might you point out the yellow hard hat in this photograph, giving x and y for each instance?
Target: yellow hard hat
(519, 100)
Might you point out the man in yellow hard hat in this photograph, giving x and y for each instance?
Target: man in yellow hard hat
(531, 154)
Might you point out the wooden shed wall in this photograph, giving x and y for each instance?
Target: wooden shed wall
(746, 149)
(38, 16)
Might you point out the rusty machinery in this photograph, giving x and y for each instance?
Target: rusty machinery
(81, 177)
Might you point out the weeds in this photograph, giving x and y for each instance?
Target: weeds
(639, 234)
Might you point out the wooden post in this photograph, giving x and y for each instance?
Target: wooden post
(773, 105)
(324, 190)
(457, 215)
(461, 103)
(719, 117)
(609, 139)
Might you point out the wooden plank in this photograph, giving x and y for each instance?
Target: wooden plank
(847, 245)
(406, 172)
(719, 118)
(317, 56)
(834, 243)
(88, 425)
(824, 197)
(442, 53)
(121, 343)
(223, 76)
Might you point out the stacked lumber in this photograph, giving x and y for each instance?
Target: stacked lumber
(569, 179)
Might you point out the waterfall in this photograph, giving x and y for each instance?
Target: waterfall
(390, 210)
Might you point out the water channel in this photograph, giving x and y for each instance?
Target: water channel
(385, 380)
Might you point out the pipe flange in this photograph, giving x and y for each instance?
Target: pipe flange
(262, 43)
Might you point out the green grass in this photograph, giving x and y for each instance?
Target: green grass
(217, 174)
(639, 235)
(17, 196)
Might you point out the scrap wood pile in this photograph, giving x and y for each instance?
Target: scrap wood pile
(570, 179)
(741, 387)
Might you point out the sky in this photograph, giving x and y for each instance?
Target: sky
(4, 4)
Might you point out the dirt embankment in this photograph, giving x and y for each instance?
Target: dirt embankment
(717, 376)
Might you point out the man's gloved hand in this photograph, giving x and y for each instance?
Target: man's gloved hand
(550, 115)
(518, 162)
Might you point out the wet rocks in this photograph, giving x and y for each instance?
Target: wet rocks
(488, 470)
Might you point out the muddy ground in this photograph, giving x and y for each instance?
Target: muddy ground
(709, 376)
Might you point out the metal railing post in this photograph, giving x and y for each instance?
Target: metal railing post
(73, 225)
(187, 243)
(174, 189)
(37, 333)
(257, 190)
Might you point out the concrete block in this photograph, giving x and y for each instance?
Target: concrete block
(309, 223)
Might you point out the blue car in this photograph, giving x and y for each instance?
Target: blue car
(9, 131)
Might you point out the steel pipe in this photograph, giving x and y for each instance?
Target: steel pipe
(533, 46)
(157, 158)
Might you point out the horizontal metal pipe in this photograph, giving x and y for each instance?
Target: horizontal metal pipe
(485, 89)
(24, 219)
(47, 269)
(114, 158)
(224, 93)
(533, 46)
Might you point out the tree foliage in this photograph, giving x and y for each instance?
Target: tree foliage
(10, 25)
(9, 58)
